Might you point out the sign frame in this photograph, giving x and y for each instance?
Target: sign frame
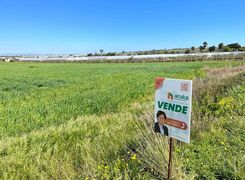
(173, 105)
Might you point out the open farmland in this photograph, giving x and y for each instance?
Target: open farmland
(70, 120)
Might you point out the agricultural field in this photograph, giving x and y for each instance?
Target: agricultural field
(94, 121)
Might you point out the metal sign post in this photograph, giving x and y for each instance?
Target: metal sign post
(171, 147)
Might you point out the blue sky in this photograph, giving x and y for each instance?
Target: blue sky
(81, 26)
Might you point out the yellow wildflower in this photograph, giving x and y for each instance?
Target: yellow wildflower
(134, 157)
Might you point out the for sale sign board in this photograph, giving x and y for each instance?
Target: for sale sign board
(173, 108)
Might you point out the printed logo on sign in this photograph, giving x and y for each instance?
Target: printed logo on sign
(181, 97)
(184, 86)
(170, 96)
(177, 97)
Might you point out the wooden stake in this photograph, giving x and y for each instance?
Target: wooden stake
(171, 147)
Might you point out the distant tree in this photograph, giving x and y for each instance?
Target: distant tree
(211, 49)
(111, 54)
(234, 46)
(187, 51)
(221, 45)
(205, 44)
(227, 49)
(201, 48)
(193, 48)
(123, 52)
(90, 54)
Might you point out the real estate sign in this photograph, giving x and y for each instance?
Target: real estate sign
(173, 108)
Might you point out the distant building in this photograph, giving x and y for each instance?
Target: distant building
(10, 59)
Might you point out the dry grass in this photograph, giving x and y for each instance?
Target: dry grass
(207, 90)
(223, 72)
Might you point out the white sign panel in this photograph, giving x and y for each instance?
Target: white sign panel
(173, 108)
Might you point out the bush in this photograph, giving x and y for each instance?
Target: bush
(110, 54)
(211, 49)
(234, 46)
(187, 51)
(242, 49)
(227, 49)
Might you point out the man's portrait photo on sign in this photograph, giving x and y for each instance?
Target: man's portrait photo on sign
(159, 125)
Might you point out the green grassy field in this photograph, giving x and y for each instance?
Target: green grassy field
(78, 121)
